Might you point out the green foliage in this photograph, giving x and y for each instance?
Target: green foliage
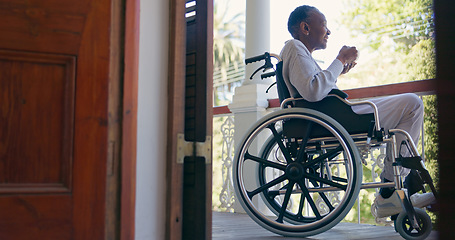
(420, 62)
(431, 141)
(406, 22)
(421, 65)
(392, 67)
(399, 47)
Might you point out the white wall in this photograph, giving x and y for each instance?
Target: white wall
(152, 124)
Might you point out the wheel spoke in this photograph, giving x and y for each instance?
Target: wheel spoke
(314, 182)
(302, 201)
(287, 196)
(267, 185)
(301, 156)
(326, 200)
(339, 179)
(310, 200)
(408, 226)
(326, 181)
(328, 155)
(323, 196)
(266, 162)
(278, 139)
(273, 193)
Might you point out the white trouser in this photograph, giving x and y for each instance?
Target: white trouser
(405, 112)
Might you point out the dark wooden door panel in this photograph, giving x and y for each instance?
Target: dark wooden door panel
(37, 122)
(56, 85)
(36, 217)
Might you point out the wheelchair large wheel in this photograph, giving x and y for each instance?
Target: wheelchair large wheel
(297, 185)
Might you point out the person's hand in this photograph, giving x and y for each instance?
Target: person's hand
(347, 55)
(348, 66)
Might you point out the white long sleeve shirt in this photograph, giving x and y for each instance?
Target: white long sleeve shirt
(302, 74)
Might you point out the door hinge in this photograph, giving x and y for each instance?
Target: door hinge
(197, 149)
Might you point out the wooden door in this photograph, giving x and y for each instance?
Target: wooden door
(58, 118)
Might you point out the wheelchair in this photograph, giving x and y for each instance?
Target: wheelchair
(306, 176)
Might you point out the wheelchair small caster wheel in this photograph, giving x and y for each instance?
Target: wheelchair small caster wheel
(404, 227)
(394, 219)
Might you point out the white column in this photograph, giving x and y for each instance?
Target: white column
(249, 102)
(257, 36)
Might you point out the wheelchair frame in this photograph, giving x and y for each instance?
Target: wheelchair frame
(307, 161)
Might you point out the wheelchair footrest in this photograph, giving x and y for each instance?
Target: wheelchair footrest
(409, 162)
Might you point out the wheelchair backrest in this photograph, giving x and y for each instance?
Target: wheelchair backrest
(283, 92)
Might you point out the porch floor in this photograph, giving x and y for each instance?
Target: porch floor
(240, 226)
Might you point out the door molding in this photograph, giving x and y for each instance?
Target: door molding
(129, 118)
(176, 108)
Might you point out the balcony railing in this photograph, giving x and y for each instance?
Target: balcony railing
(226, 132)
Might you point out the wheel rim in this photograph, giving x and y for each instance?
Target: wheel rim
(297, 179)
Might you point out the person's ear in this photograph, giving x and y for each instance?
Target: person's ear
(305, 28)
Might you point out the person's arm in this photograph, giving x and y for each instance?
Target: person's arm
(310, 81)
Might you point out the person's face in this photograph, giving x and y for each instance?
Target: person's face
(317, 31)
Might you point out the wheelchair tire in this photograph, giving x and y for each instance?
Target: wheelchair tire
(404, 227)
(296, 192)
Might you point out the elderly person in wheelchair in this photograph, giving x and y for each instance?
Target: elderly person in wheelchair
(307, 174)
(304, 78)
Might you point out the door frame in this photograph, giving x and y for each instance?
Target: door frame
(176, 109)
(129, 120)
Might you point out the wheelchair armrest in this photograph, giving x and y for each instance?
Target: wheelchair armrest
(288, 102)
(339, 93)
(336, 92)
(363, 102)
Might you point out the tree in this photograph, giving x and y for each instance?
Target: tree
(228, 44)
(228, 35)
(405, 22)
(400, 47)
(390, 28)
